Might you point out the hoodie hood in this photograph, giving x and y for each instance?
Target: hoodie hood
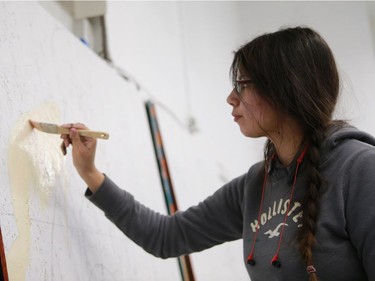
(338, 134)
(341, 133)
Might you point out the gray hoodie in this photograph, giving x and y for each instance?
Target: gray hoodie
(345, 231)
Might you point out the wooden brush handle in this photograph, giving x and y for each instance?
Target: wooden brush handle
(93, 134)
(86, 133)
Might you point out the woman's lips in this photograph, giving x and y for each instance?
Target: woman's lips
(236, 117)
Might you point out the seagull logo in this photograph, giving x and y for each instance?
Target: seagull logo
(275, 232)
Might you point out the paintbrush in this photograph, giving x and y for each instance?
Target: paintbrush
(55, 129)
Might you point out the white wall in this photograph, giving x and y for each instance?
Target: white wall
(181, 52)
(50, 231)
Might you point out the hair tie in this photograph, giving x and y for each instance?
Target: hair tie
(310, 269)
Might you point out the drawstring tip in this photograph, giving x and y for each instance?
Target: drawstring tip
(250, 260)
(275, 261)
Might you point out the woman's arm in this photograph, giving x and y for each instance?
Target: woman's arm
(215, 220)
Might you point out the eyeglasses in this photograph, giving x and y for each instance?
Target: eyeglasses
(239, 85)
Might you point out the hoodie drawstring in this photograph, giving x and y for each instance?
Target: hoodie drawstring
(275, 260)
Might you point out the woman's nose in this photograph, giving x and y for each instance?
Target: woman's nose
(232, 99)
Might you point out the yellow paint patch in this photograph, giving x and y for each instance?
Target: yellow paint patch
(35, 161)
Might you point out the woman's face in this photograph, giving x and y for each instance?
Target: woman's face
(255, 115)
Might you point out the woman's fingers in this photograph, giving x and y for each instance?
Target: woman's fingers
(76, 140)
(67, 140)
(83, 154)
(63, 148)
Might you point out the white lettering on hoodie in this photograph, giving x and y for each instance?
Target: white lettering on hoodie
(275, 209)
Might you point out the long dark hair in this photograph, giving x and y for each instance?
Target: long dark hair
(295, 71)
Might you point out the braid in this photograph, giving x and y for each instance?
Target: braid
(306, 235)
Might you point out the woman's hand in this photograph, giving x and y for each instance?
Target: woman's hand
(83, 154)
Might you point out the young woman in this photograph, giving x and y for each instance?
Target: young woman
(305, 212)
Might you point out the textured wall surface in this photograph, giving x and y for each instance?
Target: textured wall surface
(51, 232)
